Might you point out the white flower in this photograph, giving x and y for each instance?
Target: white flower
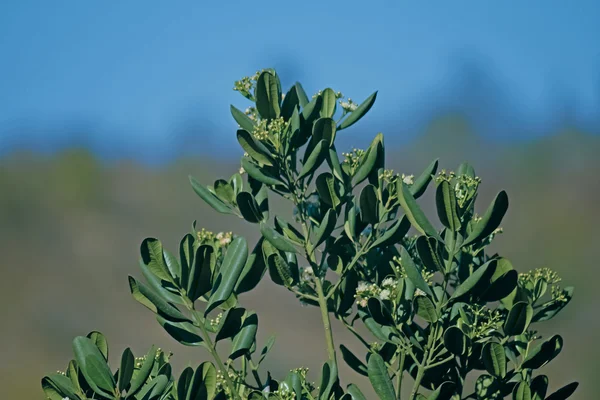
(384, 294)
(242, 170)
(419, 292)
(408, 179)
(388, 282)
(362, 287)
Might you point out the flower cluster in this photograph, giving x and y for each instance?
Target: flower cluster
(401, 272)
(246, 85)
(408, 179)
(545, 274)
(353, 159)
(221, 239)
(465, 186)
(485, 320)
(269, 130)
(348, 105)
(365, 291)
(216, 321)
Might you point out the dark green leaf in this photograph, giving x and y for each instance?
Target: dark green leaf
(503, 281)
(360, 112)
(543, 353)
(522, 391)
(518, 319)
(260, 173)
(565, 392)
(329, 189)
(355, 392)
(414, 213)
(539, 387)
(456, 341)
(184, 332)
(126, 369)
(353, 361)
(203, 383)
(428, 249)
(425, 309)
(369, 205)
(494, 359)
(553, 307)
(253, 271)
(369, 160)
(380, 313)
(490, 220)
(209, 197)
(242, 119)
(478, 279)
(278, 241)
(224, 191)
(152, 255)
(315, 159)
(268, 95)
(249, 207)
(100, 341)
(254, 148)
(243, 341)
(380, 380)
(58, 387)
(393, 234)
(445, 200)
(154, 302)
(326, 227)
(420, 184)
(200, 276)
(143, 373)
(413, 273)
(231, 269)
(329, 103)
(93, 366)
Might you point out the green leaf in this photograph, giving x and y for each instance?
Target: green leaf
(203, 383)
(231, 324)
(243, 341)
(210, 199)
(565, 392)
(289, 231)
(186, 255)
(329, 381)
(249, 207)
(242, 119)
(224, 191)
(290, 103)
(268, 95)
(543, 353)
(324, 129)
(490, 220)
(380, 380)
(260, 173)
(503, 281)
(355, 392)
(456, 341)
(445, 200)
(539, 387)
(58, 387)
(138, 380)
(360, 112)
(152, 255)
(393, 234)
(478, 279)
(200, 276)
(126, 369)
(329, 189)
(380, 312)
(414, 213)
(353, 361)
(518, 319)
(425, 309)
(253, 271)
(266, 348)
(100, 341)
(443, 391)
(184, 383)
(368, 161)
(311, 110)
(413, 273)
(329, 103)
(494, 359)
(428, 249)
(231, 269)
(278, 241)
(254, 148)
(553, 307)
(184, 332)
(369, 205)
(420, 184)
(522, 391)
(93, 366)
(326, 227)
(280, 271)
(315, 159)
(302, 97)
(154, 302)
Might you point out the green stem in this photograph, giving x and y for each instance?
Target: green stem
(419, 378)
(326, 322)
(213, 351)
(400, 375)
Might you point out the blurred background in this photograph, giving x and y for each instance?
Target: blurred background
(107, 106)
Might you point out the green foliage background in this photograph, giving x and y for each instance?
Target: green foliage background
(70, 228)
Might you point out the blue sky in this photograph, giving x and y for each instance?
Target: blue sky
(130, 73)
